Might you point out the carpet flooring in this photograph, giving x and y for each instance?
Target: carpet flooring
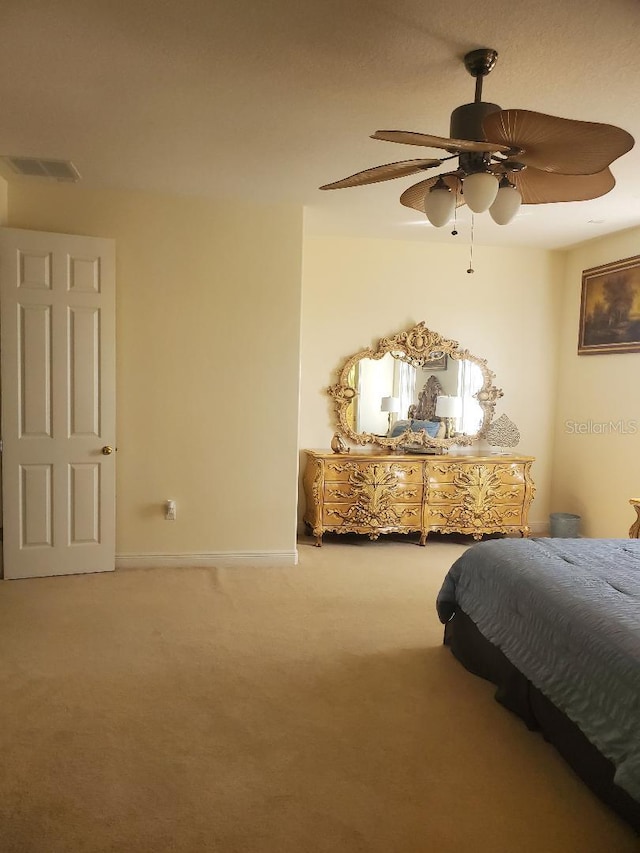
(311, 709)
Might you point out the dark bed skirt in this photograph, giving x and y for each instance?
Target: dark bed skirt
(516, 693)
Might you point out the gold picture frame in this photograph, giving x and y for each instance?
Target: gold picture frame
(610, 308)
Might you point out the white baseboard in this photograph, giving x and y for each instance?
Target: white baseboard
(215, 559)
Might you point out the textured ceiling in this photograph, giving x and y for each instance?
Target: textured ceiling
(266, 100)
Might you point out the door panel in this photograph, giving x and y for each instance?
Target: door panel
(84, 503)
(34, 379)
(36, 520)
(57, 309)
(84, 371)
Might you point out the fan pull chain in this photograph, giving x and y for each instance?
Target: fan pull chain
(471, 269)
(454, 233)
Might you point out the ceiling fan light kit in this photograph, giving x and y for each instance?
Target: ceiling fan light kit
(479, 190)
(507, 203)
(439, 204)
(505, 158)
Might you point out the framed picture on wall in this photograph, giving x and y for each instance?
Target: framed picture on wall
(610, 308)
(439, 363)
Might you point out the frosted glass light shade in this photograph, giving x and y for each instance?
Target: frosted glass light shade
(479, 190)
(448, 407)
(439, 204)
(506, 205)
(390, 404)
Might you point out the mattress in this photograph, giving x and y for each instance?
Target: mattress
(566, 614)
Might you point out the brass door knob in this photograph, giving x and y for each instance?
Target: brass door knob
(107, 450)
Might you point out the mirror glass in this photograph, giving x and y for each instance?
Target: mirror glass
(402, 386)
(415, 390)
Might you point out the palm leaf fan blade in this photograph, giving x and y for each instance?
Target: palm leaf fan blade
(409, 137)
(382, 173)
(561, 145)
(539, 187)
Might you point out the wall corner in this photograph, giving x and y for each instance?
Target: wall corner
(4, 202)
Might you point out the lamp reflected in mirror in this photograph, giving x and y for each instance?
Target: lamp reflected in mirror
(449, 409)
(390, 405)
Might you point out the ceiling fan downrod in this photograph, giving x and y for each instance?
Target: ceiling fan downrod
(466, 121)
(479, 63)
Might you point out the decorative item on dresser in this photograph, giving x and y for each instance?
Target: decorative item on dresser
(503, 433)
(375, 493)
(339, 445)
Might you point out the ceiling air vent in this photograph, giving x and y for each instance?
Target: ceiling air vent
(36, 167)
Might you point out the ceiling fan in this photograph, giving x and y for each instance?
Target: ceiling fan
(504, 158)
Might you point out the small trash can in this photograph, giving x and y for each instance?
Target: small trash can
(564, 525)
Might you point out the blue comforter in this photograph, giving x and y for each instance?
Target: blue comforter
(566, 612)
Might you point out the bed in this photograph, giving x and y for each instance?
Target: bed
(555, 624)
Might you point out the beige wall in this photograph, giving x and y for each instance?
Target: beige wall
(356, 291)
(596, 473)
(208, 326)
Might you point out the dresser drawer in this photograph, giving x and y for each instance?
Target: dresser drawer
(449, 493)
(374, 473)
(356, 515)
(462, 474)
(465, 519)
(401, 492)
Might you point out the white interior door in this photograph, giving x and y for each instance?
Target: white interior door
(57, 346)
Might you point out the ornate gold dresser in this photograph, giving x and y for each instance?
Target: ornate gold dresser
(374, 493)
(634, 530)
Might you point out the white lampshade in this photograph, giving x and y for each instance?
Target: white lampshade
(390, 404)
(479, 190)
(439, 204)
(507, 203)
(448, 407)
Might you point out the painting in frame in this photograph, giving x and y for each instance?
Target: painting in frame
(610, 308)
(438, 363)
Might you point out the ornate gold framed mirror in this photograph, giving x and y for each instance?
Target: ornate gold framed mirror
(415, 391)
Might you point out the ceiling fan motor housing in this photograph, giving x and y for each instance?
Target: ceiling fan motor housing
(466, 121)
